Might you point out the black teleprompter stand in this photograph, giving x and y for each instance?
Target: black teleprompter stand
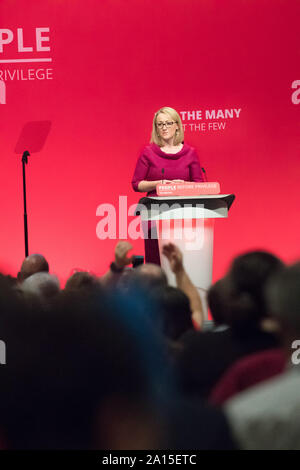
(25, 156)
(33, 136)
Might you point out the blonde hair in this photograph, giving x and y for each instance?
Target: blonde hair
(170, 112)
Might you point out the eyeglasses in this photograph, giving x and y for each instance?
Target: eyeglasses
(160, 125)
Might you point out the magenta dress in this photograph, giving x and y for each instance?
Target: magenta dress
(153, 164)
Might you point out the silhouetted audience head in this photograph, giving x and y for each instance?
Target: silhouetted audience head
(150, 275)
(81, 281)
(8, 280)
(283, 299)
(44, 285)
(32, 264)
(217, 298)
(176, 312)
(247, 278)
(10, 297)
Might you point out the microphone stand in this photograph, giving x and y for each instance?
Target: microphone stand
(25, 156)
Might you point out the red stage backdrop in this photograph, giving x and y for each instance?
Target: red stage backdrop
(99, 69)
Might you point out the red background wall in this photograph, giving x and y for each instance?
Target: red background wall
(114, 64)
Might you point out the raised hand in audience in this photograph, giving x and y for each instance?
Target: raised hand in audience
(121, 252)
(117, 266)
(175, 258)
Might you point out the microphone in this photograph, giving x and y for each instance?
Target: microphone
(204, 173)
(162, 174)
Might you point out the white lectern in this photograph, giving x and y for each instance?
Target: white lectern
(189, 223)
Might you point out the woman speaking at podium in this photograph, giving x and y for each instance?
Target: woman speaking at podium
(167, 159)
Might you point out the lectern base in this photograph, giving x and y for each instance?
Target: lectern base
(189, 223)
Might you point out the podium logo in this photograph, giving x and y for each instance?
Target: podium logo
(2, 92)
(296, 95)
